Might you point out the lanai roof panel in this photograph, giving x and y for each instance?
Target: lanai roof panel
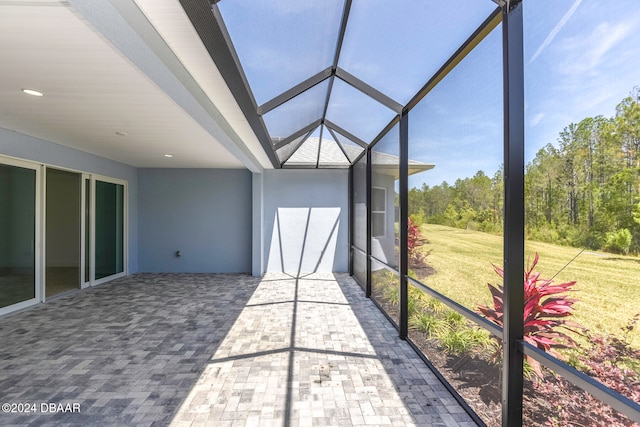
(356, 112)
(350, 65)
(396, 46)
(283, 42)
(298, 112)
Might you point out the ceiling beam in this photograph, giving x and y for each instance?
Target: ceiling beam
(339, 143)
(492, 21)
(343, 30)
(383, 132)
(336, 56)
(345, 133)
(308, 128)
(369, 90)
(302, 141)
(319, 146)
(295, 91)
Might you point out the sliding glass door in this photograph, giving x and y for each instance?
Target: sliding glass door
(63, 211)
(109, 229)
(59, 230)
(19, 206)
(85, 230)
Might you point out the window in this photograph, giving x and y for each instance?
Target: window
(378, 211)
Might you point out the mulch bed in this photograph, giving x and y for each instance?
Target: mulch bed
(475, 379)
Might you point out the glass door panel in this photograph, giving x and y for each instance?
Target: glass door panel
(109, 229)
(17, 234)
(63, 232)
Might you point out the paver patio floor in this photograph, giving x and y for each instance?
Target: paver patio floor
(216, 350)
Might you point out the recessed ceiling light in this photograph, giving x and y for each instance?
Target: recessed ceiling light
(168, 155)
(32, 92)
(121, 133)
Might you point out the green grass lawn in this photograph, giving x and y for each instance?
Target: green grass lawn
(607, 285)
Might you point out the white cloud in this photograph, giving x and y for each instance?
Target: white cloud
(584, 53)
(536, 119)
(547, 41)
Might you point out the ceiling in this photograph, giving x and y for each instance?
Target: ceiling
(113, 88)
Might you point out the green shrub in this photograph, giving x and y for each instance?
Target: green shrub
(458, 341)
(618, 241)
(545, 233)
(415, 303)
(432, 304)
(454, 319)
(427, 323)
(392, 295)
(418, 219)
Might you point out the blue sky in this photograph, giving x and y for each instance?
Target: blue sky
(581, 58)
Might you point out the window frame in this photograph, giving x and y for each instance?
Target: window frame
(374, 212)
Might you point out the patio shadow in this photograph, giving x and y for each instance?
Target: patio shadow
(312, 350)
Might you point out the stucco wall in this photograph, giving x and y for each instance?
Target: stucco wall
(203, 213)
(306, 218)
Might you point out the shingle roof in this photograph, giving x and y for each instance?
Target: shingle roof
(334, 155)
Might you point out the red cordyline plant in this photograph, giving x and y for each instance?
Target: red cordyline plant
(414, 242)
(413, 239)
(565, 404)
(546, 310)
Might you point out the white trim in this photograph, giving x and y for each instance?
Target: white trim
(43, 231)
(125, 229)
(108, 279)
(92, 231)
(81, 176)
(384, 212)
(84, 232)
(22, 163)
(38, 233)
(257, 235)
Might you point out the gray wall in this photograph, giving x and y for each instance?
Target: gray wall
(203, 213)
(29, 148)
(306, 218)
(207, 214)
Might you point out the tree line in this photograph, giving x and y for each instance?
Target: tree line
(584, 191)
